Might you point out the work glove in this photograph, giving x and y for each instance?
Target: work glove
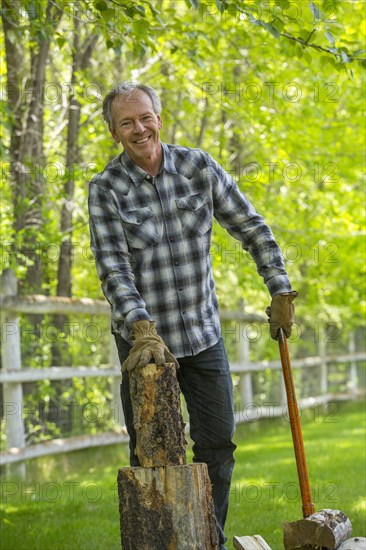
(281, 314)
(147, 347)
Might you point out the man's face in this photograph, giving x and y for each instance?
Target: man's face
(136, 126)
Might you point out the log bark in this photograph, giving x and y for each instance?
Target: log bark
(158, 420)
(167, 508)
(255, 542)
(326, 528)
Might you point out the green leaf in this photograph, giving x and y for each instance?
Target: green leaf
(60, 41)
(345, 57)
(358, 52)
(304, 34)
(330, 38)
(192, 3)
(315, 11)
(108, 14)
(141, 9)
(279, 24)
(308, 58)
(154, 11)
(101, 5)
(140, 27)
(221, 6)
(284, 4)
(272, 29)
(299, 50)
(255, 21)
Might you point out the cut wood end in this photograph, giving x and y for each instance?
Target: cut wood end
(355, 543)
(152, 368)
(254, 542)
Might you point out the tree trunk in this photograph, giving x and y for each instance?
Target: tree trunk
(26, 139)
(81, 55)
(60, 355)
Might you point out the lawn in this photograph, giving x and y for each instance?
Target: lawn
(70, 501)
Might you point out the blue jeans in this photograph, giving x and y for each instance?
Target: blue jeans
(206, 384)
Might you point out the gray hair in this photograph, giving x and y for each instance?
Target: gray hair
(126, 89)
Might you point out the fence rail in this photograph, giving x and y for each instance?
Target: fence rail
(13, 375)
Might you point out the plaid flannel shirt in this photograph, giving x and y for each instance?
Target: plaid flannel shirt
(151, 239)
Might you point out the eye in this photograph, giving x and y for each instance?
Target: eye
(126, 124)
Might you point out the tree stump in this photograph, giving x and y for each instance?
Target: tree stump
(167, 508)
(164, 504)
(326, 528)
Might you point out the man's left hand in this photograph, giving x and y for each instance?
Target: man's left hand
(281, 313)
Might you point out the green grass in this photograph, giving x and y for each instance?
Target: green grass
(70, 501)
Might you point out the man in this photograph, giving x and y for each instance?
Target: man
(151, 213)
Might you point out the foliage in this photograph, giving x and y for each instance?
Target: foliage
(272, 90)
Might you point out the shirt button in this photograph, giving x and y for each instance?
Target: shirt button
(176, 262)
(180, 289)
(148, 178)
(171, 239)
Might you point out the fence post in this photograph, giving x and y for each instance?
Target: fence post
(116, 382)
(322, 347)
(245, 384)
(353, 381)
(11, 360)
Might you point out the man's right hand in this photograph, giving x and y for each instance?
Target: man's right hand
(148, 347)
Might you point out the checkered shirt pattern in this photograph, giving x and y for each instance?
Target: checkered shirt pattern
(151, 239)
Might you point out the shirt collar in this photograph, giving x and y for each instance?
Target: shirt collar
(137, 174)
(168, 163)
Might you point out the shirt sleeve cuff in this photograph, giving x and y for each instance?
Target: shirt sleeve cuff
(278, 285)
(138, 314)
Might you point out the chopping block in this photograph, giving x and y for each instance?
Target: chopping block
(165, 503)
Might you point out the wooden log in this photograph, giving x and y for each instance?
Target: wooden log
(326, 528)
(167, 508)
(355, 543)
(255, 542)
(157, 416)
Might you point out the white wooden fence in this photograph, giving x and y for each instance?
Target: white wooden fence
(13, 374)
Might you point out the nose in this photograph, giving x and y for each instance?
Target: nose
(139, 127)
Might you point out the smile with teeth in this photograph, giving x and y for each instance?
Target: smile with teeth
(140, 141)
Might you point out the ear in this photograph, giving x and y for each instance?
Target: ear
(160, 121)
(114, 135)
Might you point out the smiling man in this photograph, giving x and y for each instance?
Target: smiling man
(137, 127)
(151, 213)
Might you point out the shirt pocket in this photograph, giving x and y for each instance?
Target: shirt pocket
(140, 228)
(195, 214)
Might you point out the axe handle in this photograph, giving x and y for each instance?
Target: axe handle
(302, 470)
